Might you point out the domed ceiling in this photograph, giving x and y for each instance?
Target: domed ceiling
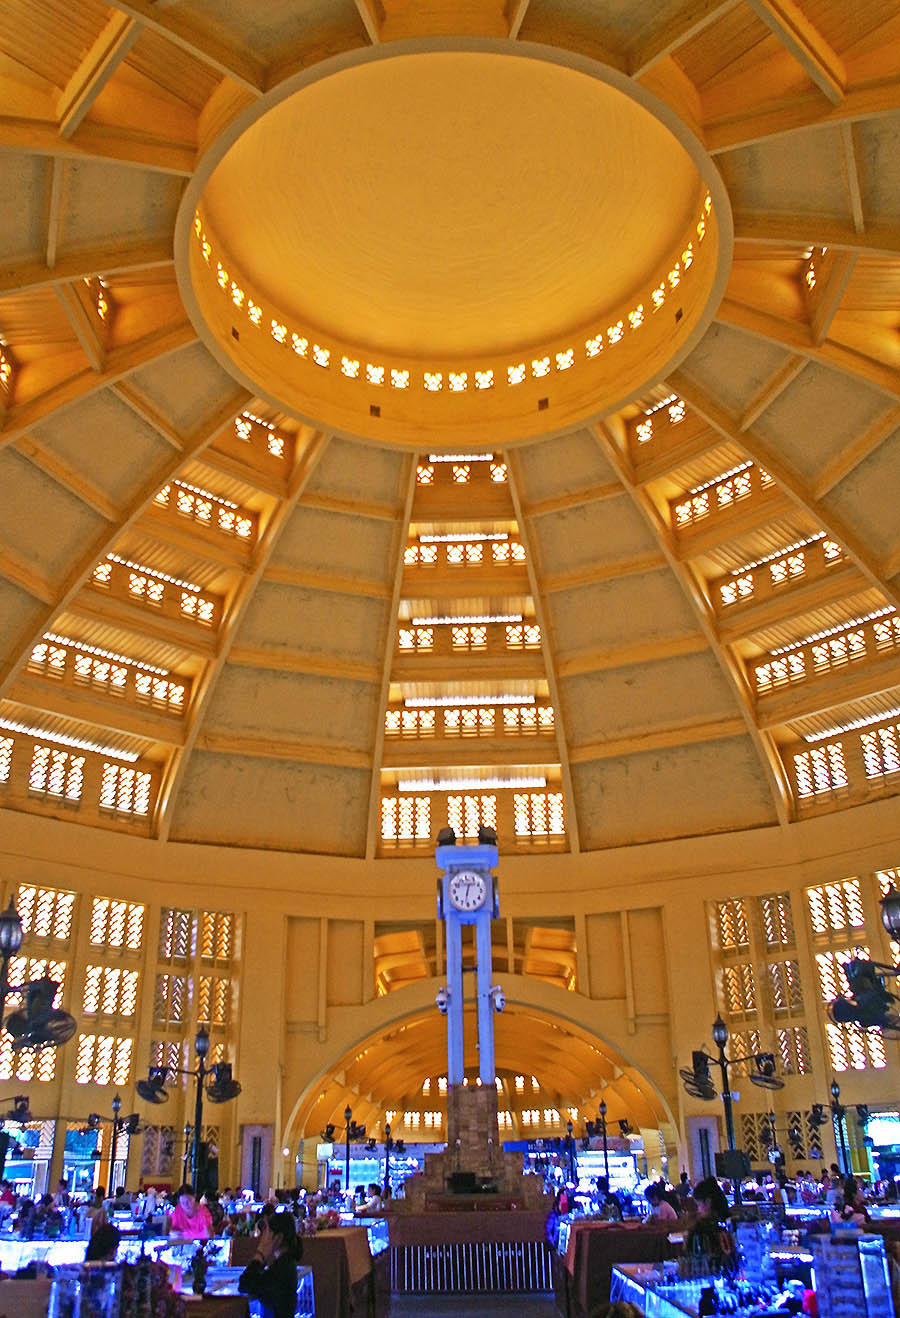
(424, 412)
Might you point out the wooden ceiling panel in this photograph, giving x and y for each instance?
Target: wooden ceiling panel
(172, 69)
(49, 37)
(724, 46)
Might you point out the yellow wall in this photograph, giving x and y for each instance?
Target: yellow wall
(645, 979)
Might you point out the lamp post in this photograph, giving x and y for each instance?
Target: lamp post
(570, 1149)
(221, 1089)
(601, 1118)
(116, 1109)
(201, 1051)
(388, 1145)
(352, 1132)
(348, 1121)
(838, 1112)
(698, 1084)
(890, 913)
(11, 936)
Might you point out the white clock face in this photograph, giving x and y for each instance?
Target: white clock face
(467, 890)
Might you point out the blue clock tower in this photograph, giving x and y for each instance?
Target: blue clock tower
(467, 894)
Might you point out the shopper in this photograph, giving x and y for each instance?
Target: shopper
(271, 1276)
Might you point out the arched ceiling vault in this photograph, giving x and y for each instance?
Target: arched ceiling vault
(123, 434)
(386, 1073)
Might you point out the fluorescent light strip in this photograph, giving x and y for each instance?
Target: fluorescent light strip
(834, 631)
(466, 784)
(467, 702)
(657, 407)
(466, 619)
(779, 553)
(151, 572)
(206, 494)
(79, 743)
(462, 536)
(717, 480)
(251, 416)
(460, 457)
(856, 723)
(104, 654)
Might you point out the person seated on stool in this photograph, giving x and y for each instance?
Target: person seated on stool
(190, 1220)
(271, 1276)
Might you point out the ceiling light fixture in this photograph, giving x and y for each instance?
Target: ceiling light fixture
(440, 702)
(466, 619)
(467, 784)
(79, 743)
(779, 553)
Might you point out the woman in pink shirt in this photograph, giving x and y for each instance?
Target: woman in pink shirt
(190, 1219)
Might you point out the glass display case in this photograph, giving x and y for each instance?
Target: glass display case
(86, 1290)
(16, 1254)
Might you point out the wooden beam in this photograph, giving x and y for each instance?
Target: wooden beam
(806, 44)
(578, 663)
(870, 100)
(14, 568)
(515, 11)
(798, 337)
(856, 451)
(675, 29)
(58, 179)
(119, 362)
(65, 267)
(69, 477)
(851, 176)
(95, 141)
(141, 405)
(280, 659)
(95, 70)
(685, 734)
(90, 330)
(371, 19)
(773, 388)
(558, 503)
(205, 44)
(310, 579)
(283, 748)
(831, 284)
(816, 231)
(652, 561)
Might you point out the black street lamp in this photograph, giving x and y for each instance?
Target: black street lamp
(838, 1112)
(698, 1084)
(570, 1150)
(222, 1088)
(352, 1132)
(601, 1118)
(130, 1124)
(890, 913)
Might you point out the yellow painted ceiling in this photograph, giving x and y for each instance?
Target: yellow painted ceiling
(446, 203)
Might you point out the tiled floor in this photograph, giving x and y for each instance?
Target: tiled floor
(473, 1306)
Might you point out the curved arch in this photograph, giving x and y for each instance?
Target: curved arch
(578, 1048)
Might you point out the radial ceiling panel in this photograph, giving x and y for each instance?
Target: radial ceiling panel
(287, 632)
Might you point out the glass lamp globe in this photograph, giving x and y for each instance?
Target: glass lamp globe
(890, 912)
(201, 1042)
(719, 1032)
(10, 931)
